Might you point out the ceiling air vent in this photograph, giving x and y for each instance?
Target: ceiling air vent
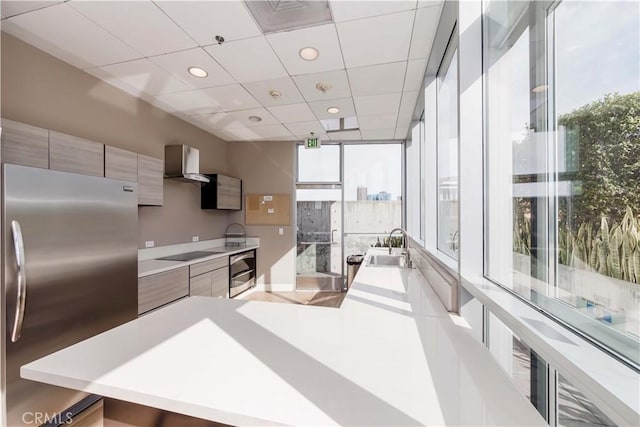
(273, 15)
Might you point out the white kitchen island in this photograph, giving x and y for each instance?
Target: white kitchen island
(391, 355)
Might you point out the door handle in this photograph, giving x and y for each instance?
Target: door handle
(21, 296)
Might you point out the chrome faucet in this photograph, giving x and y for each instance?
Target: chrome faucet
(407, 256)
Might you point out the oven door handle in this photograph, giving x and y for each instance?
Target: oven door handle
(240, 257)
(242, 273)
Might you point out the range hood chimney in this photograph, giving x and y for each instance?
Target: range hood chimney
(182, 162)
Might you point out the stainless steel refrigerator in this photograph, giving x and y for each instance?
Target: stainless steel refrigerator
(69, 271)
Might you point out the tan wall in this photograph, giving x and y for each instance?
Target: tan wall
(43, 91)
(268, 167)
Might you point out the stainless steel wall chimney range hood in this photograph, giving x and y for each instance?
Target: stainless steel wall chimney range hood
(182, 162)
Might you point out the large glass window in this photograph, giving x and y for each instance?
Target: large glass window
(447, 99)
(562, 84)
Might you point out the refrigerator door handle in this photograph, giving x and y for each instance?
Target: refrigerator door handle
(21, 296)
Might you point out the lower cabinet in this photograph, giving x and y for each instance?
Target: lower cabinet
(93, 416)
(210, 278)
(159, 289)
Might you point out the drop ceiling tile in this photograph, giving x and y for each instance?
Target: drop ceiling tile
(337, 79)
(378, 134)
(377, 79)
(424, 31)
(404, 120)
(270, 131)
(408, 102)
(211, 100)
(236, 119)
(17, 7)
(427, 3)
(415, 74)
(377, 121)
(142, 75)
(345, 135)
(304, 129)
(350, 10)
(248, 60)
(376, 40)
(57, 30)
(377, 104)
(144, 26)
(203, 20)
(345, 105)
(324, 38)
(400, 133)
(292, 113)
(178, 64)
(289, 93)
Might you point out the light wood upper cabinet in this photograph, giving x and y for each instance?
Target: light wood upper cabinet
(162, 288)
(24, 144)
(222, 192)
(150, 181)
(120, 164)
(72, 154)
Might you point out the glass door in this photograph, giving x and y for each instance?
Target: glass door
(319, 253)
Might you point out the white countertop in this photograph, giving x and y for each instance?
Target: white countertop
(153, 266)
(391, 355)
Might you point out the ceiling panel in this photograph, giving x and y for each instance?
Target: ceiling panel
(404, 120)
(377, 79)
(336, 79)
(377, 121)
(238, 119)
(378, 134)
(12, 8)
(424, 30)
(289, 93)
(377, 104)
(65, 33)
(345, 135)
(276, 131)
(292, 113)
(427, 3)
(248, 60)
(324, 38)
(142, 76)
(178, 64)
(143, 27)
(203, 20)
(376, 40)
(345, 105)
(415, 74)
(304, 129)
(408, 102)
(212, 100)
(400, 133)
(349, 10)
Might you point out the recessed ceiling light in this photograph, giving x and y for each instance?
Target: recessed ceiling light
(333, 110)
(255, 118)
(198, 72)
(309, 53)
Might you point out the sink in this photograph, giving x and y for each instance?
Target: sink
(381, 260)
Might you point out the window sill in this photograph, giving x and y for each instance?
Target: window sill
(611, 385)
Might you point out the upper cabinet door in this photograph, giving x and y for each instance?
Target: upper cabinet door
(24, 144)
(229, 193)
(120, 164)
(72, 154)
(150, 180)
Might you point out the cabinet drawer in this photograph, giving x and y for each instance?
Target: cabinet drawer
(24, 145)
(200, 285)
(162, 288)
(220, 283)
(72, 154)
(206, 266)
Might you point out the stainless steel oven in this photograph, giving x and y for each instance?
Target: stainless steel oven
(242, 272)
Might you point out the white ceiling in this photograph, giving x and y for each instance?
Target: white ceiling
(373, 57)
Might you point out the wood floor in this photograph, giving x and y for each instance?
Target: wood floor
(324, 299)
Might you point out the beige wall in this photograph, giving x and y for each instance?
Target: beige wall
(43, 91)
(268, 167)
